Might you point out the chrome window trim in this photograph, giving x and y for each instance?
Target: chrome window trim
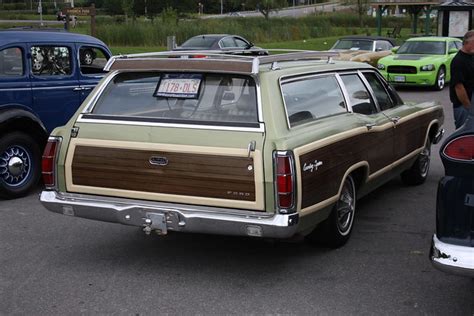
(260, 129)
(369, 88)
(292, 78)
(357, 72)
(345, 94)
(97, 92)
(379, 77)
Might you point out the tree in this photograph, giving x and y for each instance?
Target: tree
(265, 7)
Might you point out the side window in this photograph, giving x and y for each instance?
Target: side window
(11, 62)
(311, 98)
(383, 99)
(383, 45)
(227, 42)
(452, 45)
(458, 44)
(241, 43)
(51, 60)
(358, 95)
(92, 60)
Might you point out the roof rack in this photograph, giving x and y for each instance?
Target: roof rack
(235, 61)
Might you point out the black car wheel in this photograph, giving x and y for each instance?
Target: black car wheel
(87, 57)
(19, 164)
(440, 79)
(418, 172)
(336, 229)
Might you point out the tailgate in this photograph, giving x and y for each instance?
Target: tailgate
(202, 175)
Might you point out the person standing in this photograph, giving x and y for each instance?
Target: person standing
(461, 85)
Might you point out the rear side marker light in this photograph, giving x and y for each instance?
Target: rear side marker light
(461, 148)
(48, 163)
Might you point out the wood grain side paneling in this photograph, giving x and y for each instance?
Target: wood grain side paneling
(324, 183)
(198, 175)
(379, 149)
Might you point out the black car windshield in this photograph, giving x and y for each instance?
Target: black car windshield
(199, 98)
(423, 47)
(354, 44)
(199, 42)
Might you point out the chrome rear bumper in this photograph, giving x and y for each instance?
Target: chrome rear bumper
(452, 258)
(163, 217)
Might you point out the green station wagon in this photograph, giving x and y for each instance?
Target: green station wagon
(273, 146)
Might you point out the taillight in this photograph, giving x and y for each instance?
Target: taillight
(461, 148)
(284, 181)
(48, 164)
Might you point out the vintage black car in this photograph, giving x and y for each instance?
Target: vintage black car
(221, 42)
(452, 247)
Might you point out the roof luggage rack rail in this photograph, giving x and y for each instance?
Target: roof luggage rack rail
(212, 60)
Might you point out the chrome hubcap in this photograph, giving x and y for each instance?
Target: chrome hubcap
(14, 165)
(345, 208)
(88, 59)
(441, 80)
(425, 160)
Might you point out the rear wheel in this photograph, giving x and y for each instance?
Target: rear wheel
(418, 172)
(19, 164)
(336, 229)
(440, 79)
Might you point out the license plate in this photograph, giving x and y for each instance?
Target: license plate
(179, 86)
(399, 78)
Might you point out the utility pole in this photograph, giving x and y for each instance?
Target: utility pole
(222, 7)
(40, 11)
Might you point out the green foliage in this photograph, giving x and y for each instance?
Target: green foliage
(113, 7)
(256, 29)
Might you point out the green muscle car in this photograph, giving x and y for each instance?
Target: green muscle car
(421, 61)
(274, 146)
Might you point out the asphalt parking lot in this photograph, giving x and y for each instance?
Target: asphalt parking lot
(57, 265)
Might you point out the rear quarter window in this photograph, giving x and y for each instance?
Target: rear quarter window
(309, 99)
(11, 62)
(222, 99)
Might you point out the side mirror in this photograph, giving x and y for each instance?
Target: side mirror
(395, 49)
(452, 51)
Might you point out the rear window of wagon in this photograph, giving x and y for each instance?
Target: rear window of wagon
(220, 99)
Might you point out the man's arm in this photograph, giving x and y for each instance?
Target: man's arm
(462, 95)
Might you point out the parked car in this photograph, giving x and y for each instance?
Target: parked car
(221, 42)
(269, 146)
(452, 249)
(44, 77)
(421, 61)
(368, 49)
